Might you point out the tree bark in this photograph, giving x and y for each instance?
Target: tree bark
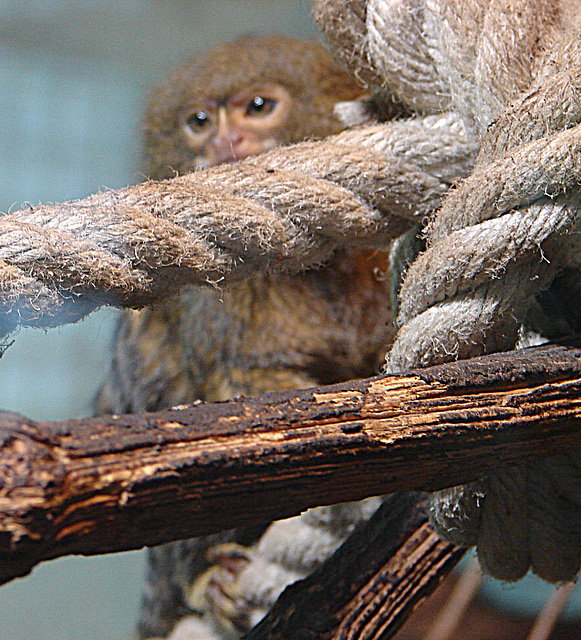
(120, 482)
(367, 589)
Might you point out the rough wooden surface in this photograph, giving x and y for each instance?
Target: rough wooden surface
(369, 586)
(115, 483)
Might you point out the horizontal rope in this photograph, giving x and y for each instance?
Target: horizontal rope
(287, 210)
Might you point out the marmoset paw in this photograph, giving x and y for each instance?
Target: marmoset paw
(216, 591)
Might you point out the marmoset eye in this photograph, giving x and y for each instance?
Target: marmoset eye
(198, 121)
(260, 106)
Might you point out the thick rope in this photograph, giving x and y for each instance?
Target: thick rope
(471, 56)
(512, 71)
(287, 210)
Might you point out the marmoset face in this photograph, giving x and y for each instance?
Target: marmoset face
(241, 99)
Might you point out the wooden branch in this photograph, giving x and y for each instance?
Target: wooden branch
(115, 483)
(371, 584)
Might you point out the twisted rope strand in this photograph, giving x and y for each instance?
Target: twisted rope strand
(288, 210)
(479, 253)
(343, 24)
(546, 167)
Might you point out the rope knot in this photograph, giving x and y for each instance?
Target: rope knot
(512, 72)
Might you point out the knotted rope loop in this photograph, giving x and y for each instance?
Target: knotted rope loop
(484, 228)
(512, 72)
(493, 245)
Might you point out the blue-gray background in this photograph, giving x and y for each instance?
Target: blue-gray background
(72, 78)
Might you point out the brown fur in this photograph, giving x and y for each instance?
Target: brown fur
(270, 333)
